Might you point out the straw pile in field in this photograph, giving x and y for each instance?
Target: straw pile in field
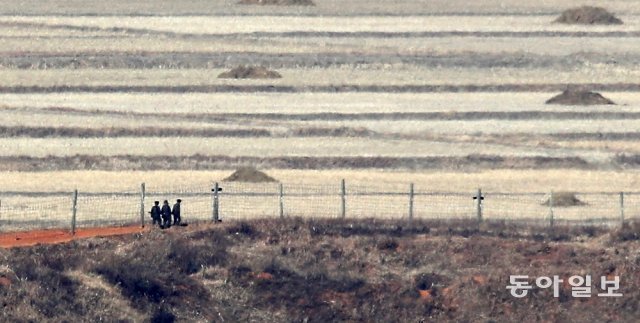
(579, 97)
(587, 15)
(250, 175)
(561, 199)
(250, 72)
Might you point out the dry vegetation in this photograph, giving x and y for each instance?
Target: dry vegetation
(250, 72)
(503, 180)
(274, 25)
(278, 2)
(588, 15)
(579, 97)
(321, 271)
(563, 199)
(250, 175)
(315, 148)
(106, 95)
(324, 7)
(535, 51)
(126, 107)
(374, 74)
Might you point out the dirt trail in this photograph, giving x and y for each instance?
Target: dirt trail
(52, 236)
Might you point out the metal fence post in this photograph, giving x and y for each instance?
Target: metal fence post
(281, 189)
(74, 211)
(622, 209)
(411, 194)
(479, 205)
(551, 208)
(142, 196)
(343, 195)
(216, 205)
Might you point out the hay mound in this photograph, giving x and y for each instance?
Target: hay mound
(576, 97)
(587, 15)
(278, 2)
(561, 199)
(250, 72)
(250, 175)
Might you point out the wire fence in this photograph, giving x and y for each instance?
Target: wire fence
(33, 210)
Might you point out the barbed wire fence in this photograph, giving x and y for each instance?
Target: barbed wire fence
(237, 200)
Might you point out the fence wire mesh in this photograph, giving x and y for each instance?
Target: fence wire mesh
(32, 210)
(107, 210)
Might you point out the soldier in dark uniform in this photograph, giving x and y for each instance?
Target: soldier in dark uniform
(176, 212)
(155, 213)
(166, 214)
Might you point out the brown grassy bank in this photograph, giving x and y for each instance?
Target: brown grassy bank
(202, 162)
(319, 271)
(339, 88)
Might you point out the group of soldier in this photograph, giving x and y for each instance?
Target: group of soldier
(162, 215)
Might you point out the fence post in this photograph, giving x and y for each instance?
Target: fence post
(74, 211)
(479, 205)
(142, 196)
(216, 214)
(281, 189)
(411, 194)
(551, 208)
(343, 194)
(622, 209)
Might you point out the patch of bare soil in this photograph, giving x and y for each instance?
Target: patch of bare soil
(53, 236)
(579, 97)
(564, 199)
(250, 175)
(250, 72)
(588, 15)
(278, 2)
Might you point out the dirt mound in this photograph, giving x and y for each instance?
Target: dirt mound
(564, 199)
(249, 174)
(587, 15)
(250, 72)
(278, 2)
(579, 97)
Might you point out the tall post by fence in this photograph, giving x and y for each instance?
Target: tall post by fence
(142, 196)
(281, 191)
(74, 210)
(216, 205)
(343, 195)
(479, 205)
(551, 208)
(411, 194)
(621, 209)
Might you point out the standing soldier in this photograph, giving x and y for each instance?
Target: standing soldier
(176, 212)
(155, 213)
(166, 214)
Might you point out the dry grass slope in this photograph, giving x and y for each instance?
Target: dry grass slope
(321, 271)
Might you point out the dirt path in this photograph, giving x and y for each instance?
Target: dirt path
(30, 238)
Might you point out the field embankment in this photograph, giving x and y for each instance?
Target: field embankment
(320, 271)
